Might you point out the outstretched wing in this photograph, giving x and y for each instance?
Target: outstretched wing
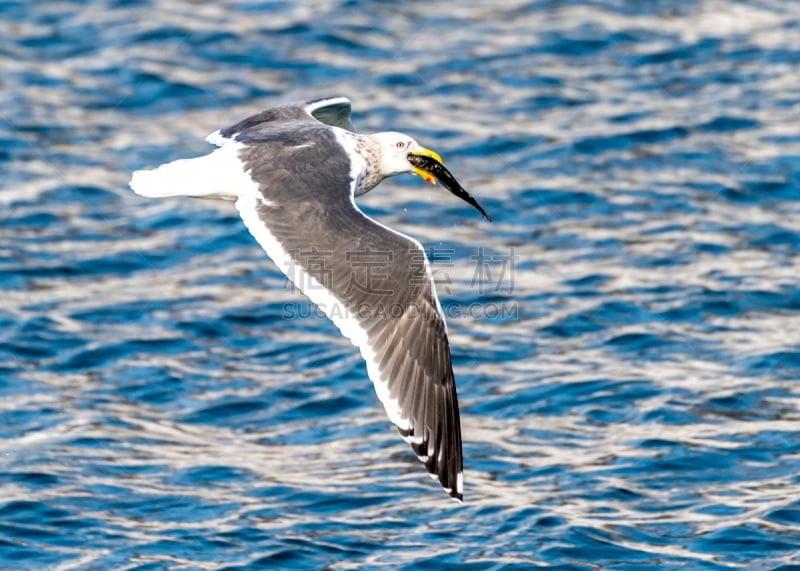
(333, 111)
(374, 283)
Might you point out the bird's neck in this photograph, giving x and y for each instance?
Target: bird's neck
(369, 160)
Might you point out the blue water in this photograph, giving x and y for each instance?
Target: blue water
(626, 334)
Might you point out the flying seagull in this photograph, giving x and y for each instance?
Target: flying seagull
(293, 172)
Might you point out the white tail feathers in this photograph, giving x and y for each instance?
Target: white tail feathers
(211, 176)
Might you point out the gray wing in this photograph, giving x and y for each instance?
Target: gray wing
(334, 111)
(374, 284)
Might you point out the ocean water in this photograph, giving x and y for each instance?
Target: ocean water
(626, 333)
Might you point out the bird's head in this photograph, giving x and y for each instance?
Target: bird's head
(400, 154)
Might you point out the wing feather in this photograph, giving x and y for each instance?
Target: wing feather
(334, 111)
(297, 216)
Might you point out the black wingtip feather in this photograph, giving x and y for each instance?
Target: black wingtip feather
(446, 472)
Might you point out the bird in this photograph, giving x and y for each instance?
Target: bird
(293, 172)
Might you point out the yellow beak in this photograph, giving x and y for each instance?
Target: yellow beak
(428, 165)
(427, 176)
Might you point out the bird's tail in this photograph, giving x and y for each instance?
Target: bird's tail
(209, 176)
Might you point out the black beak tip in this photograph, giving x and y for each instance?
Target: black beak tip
(444, 176)
(480, 209)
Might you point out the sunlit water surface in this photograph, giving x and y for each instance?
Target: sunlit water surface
(626, 334)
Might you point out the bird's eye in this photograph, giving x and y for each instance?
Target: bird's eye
(400, 144)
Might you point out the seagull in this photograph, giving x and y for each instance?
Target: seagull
(294, 172)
